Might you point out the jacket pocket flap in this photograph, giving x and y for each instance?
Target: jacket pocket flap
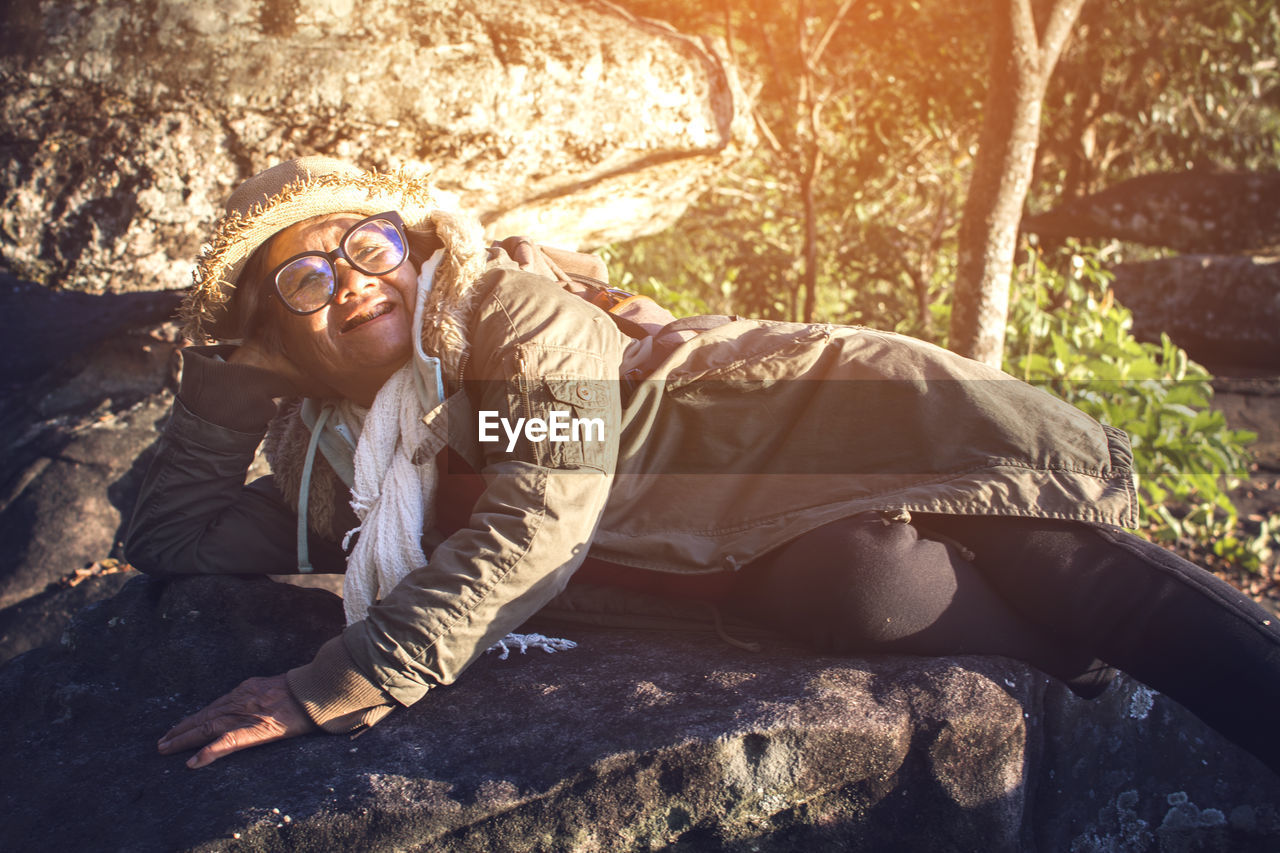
(579, 393)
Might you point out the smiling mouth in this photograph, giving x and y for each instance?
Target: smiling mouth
(363, 317)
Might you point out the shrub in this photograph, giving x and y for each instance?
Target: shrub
(1068, 335)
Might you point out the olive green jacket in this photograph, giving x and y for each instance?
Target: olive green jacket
(738, 439)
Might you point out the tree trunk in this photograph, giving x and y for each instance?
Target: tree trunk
(810, 235)
(1022, 60)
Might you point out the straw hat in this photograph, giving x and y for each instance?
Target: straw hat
(273, 200)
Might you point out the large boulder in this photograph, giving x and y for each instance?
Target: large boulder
(128, 124)
(40, 619)
(1222, 309)
(72, 495)
(1196, 212)
(632, 741)
(77, 425)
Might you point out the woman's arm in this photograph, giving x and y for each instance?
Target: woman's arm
(535, 351)
(194, 513)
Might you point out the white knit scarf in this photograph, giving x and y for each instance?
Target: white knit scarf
(394, 497)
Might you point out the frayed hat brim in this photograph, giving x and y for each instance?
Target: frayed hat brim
(274, 200)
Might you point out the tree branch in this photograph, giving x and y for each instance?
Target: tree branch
(1062, 18)
(821, 46)
(728, 32)
(774, 145)
(1026, 40)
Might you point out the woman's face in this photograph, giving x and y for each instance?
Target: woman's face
(364, 334)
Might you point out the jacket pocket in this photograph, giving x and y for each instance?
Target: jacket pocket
(577, 416)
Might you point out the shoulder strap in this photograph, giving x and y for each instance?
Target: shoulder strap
(587, 276)
(304, 489)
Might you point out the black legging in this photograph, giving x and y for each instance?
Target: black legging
(1059, 595)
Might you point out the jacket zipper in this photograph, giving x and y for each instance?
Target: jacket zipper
(522, 382)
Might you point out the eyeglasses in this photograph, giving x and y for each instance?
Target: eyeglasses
(374, 246)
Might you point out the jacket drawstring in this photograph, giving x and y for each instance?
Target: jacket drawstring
(304, 493)
(724, 635)
(902, 515)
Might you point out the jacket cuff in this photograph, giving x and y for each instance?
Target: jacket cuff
(336, 695)
(236, 396)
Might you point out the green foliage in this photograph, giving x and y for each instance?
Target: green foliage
(1163, 85)
(734, 253)
(739, 251)
(1143, 86)
(1067, 335)
(681, 301)
(897, 90)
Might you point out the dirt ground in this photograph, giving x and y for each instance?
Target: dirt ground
(1252, 402)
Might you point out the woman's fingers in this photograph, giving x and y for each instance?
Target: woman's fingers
(259, 711)
(264, 731)
(199, 729)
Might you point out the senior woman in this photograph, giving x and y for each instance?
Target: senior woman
(860, 490)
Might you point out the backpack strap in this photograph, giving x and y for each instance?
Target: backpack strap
(656, 330)
(643, 357)
(304, 490)
(587, 276)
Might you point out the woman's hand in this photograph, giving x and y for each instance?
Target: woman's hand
(255, 354)
(260, 710)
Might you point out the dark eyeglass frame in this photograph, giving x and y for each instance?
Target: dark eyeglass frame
(340, 253)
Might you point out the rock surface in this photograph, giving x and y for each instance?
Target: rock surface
(127, 124)
(1221, 309)
(1193, 212)
(633, 741)
(77, 417)
(48, 330)
(78, 497)
(40, 619)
